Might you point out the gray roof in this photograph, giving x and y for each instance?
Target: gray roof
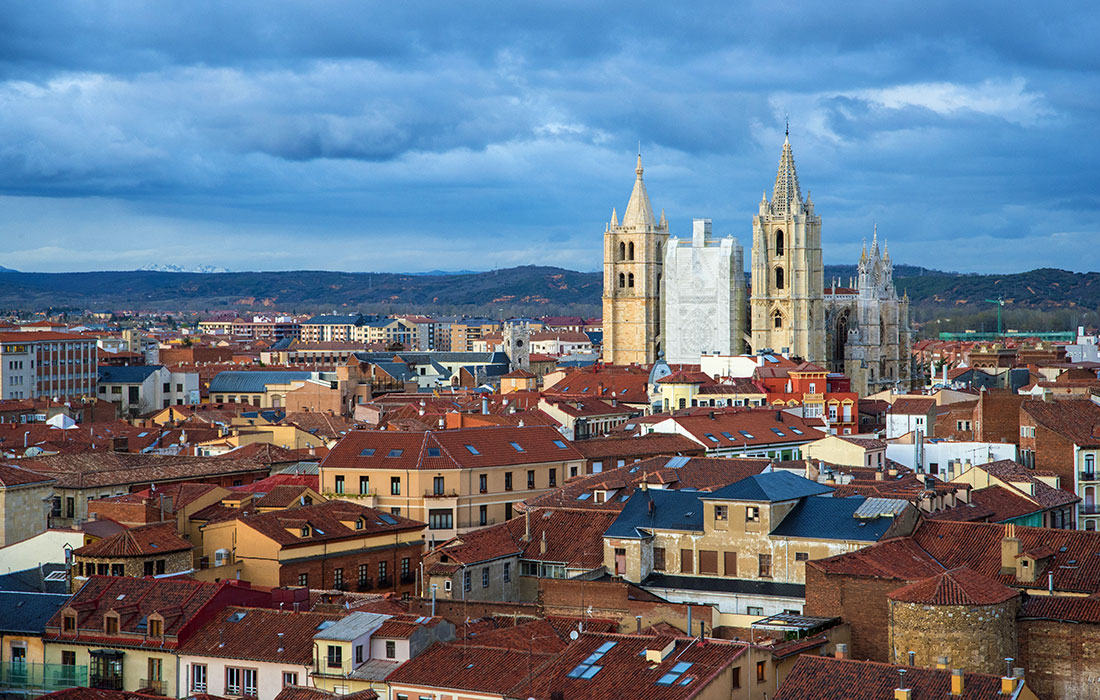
(825, 518)
(375, 670)
(721, 584)
(352, 627)
(876, 507)
(252, 382)
(35, 580)
(424, 358)
(28, 613)
(129, 374)
(769, 487)
(672, 510)
(335, 320)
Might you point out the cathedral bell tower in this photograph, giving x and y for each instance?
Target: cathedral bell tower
(788, 275)
(632, 255)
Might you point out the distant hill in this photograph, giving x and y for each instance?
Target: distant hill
(1039, 297)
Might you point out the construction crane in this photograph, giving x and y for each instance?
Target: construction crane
(1000, 302)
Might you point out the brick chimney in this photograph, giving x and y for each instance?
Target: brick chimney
(1010, 549)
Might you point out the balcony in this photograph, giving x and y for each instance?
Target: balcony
(446, 493)
(1093, 509)
(154, 686)
(1087, 475)
(45, 677)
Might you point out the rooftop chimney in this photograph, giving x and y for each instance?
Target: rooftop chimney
(542, 544)
(1010, 549)
(841, 651)
(526, 524)
(957, 682)
(912, 658)
(942, 662)
(901, 692)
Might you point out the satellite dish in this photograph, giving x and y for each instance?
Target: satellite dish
(573, 635)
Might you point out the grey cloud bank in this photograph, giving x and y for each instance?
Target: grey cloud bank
(415, 136)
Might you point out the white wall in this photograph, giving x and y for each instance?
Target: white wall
(269, 677)
(941, 452)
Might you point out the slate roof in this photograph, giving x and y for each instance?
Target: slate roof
(959, 586)
(350, 627)
(823, 517)
(143, 541)
(672, 510)
(28, 612)
(770, 487)
(34, 580)
(128, 374)
(828, 678)
(252, 382)
(258, 634)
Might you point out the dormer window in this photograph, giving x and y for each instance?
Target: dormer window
(68, 622)
(359, 524)
(600, 496)
(305, 531)
(110, 623)
(156, 626)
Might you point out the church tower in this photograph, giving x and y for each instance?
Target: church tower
(632, 254)
(788, 276)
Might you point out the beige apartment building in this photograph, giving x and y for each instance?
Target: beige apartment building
(454, 480)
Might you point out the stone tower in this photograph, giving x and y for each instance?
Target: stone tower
(632, 255)
(788, 275)
(704, 296)
(517, 344)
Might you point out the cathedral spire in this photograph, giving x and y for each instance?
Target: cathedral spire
(638, 210)
(786, 195)
(614, 217)
(863, 255)
(874, 243)
(885, 250)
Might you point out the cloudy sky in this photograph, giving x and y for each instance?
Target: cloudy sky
(372, 136)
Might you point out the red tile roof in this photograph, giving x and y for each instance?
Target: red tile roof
(1075, 419)
(625, 672)
(450, 449)
(631, 386)
(686, 377)
(262, 453)
(726, 426)
(959, 586)
(143, 541)
(95, 469)
(470, 667)
(640, 446)
(258, 634)
(281, 496)
(912, 406)
(326, 522)
(1061, 608)
(827, 678)
(13, 475)
(297, 692)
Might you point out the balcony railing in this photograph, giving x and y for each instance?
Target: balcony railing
(1088, 475)
(446, 493)
(106, 682)
(154, 685)
(1093, 509)
(48, 677)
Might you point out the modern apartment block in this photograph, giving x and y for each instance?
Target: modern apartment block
(46, 363)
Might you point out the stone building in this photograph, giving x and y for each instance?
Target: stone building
(868, 337)
(632, 258)
(704, 296)
(149, 550)
(22, 508)
(788, 275)
(959, 614)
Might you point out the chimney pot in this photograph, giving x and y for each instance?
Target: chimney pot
(841, 651)
(958, 683)
(912, 658)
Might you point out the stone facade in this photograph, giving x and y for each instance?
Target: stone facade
(170, 563)
(788, 274)
(704, 296)
(868, 333)
(976, 638)
(1062, 659)
(632, 257)
(23, 510)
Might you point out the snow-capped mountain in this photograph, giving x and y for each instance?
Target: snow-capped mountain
(179, 268)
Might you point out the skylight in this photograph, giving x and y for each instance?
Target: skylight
(565, 388)
(516, 447)
(710, 437)
(368, 452)
(583, 497)
(236, 617)
(747, 434)
(326, 624)
(395, 453)
(560, 445)
(674, 674)
(726, 435)
(472, 450)
(796, 431)
(387, 518)
(433, 451)
(779, 432)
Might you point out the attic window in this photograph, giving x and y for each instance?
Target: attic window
(583, 497)
(779, 432)
(516, 447)
(359, 524)
(368, 452)
(472, 449)
(433, 451)
(747, 434)
(236, 617)
(796, 431)
(305, 531)
(559, 444)
(726, 435)
(674, 674)
(326, 624)
(565, 388)
(711, 438)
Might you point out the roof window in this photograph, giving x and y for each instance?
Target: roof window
(727, 435)
(747, 434)
(674, 674)
(796, 431)
(433, 451)
(472, 450)
(560, 445)
(395, 453)
(779, 432)
(236, 617)
(710, 437)
(368, 452)
(516, 447)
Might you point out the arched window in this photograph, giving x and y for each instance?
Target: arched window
(778, 320)
(658, 251)
(622, 251)
(779, 278)
(630, 251)
(630, 280)
(779, 243)
(622, 280)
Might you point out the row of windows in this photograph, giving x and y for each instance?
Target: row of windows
(439, 482)
(363, 572)
(707, 562)
(466, 577)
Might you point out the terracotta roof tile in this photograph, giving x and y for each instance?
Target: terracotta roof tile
(258, 634)
(14, 475)
(326, 522)
(1076, 419)
(297, 692)
(959, 586)
(470, 667)
(827, 678)
(143, 541)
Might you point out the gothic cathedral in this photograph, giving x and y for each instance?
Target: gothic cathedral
(632, 254)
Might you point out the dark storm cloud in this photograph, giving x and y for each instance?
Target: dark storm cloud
(269, 135)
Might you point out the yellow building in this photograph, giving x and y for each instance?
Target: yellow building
(847, 451)
(632, 261)
(22, 650)
(454, 480)
(719, 547)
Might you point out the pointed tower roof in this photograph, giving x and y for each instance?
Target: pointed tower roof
(863, 255)
(885, 250)
(638, 210)
(874, 243)
(614, 217)
(786, 191)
